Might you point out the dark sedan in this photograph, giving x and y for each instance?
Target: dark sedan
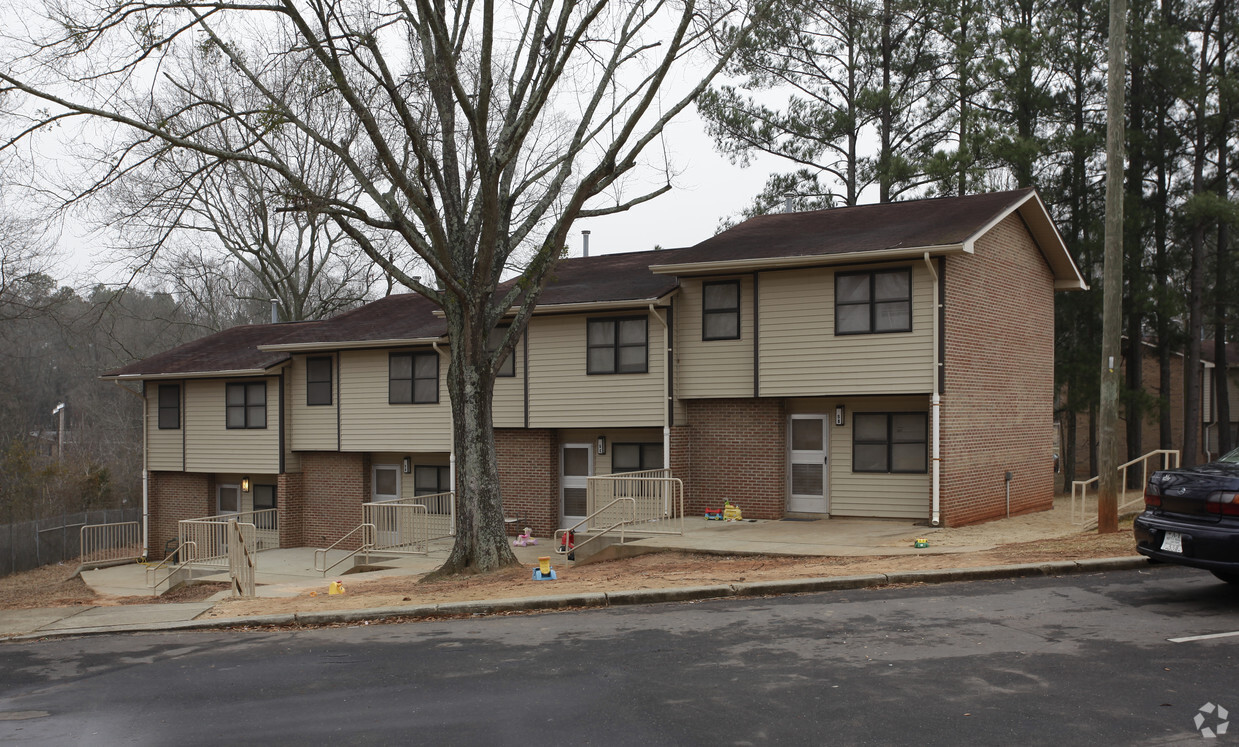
(1191, 517)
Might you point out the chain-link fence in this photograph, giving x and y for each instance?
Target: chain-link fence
(57, 539)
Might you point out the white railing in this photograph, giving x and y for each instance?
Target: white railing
(365, 545)
(400, 526)
(1084, 506)
(175, 571)
(440, 512)
(209, 534)
(620, 511)
(658, 501)
(103, 543)
(241, 552)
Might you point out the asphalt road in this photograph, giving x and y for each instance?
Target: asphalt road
(1073, 660)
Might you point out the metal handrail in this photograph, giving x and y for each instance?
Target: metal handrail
(561, 546)
(366, 546)
(1079, 488)
(102, 543)
(661, 510)
(184, 558)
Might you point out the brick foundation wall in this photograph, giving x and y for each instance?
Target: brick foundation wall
(734, 449)
(174, 496)
(529, 477)
(997, 407)
(291, 509)
(327, 503)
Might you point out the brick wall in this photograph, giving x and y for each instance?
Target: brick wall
(327, 503)
(529, 477)
(291, 508)
(734, 449)
(997, 408)
(174, 496)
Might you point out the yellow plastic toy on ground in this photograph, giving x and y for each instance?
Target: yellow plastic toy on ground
(731, 512)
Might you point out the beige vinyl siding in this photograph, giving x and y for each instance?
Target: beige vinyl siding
(211, 447)
(292, 461)
(310, 428)
(871, 494)
(563, 395)
(602, 462)
(369, 423)
(509, 401)
(712, 368)
(164, 450)
(801, 355)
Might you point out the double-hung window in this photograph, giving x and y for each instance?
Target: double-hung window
(873, 302)
(169, 406)
(431, 479)
(890, 442)
(720, 310)
(318, 380)
(617, 345)
(508, 366)
(246, 405)
(636, 457)
(413, 378)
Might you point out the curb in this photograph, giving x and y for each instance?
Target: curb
(587, 600)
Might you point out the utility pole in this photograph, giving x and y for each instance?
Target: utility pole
(60, 431)
(1112, 298)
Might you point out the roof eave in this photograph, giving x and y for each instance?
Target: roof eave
(1036, 216)
(231, 373)
(812, 260)
(394, 342)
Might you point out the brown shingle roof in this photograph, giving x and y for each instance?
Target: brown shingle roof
(609, 277)
(405, 316)
(233, 349)
(863, 228)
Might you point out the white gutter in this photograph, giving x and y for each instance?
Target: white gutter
(812, 260)
(146, 486)
(935, 404)
(395, 342)
(666, 388)
(451, 456)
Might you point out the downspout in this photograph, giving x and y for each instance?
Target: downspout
(451, 456)
(145, 472)
(935, 402)
(666, 389)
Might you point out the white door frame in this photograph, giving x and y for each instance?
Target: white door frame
(375, 496)
(577, 481)
(219, 511)
(809, 503)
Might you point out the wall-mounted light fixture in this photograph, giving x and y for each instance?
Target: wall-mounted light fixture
(407, 464)
(838, 414)
(245, 485)
(602, 445)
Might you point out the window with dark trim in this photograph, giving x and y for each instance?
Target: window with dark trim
(873, 302)
(169, 406)
(890, 442)
(720, 310)
(617, 345)
(318, 380)
(508, 366)
(636, 457)
(246, 405)
(265, 499)
(413, 378)
(431, 479)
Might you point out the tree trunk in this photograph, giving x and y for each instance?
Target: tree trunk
(1221, 287)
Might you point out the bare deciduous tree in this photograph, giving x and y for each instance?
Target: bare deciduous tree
(473, 133)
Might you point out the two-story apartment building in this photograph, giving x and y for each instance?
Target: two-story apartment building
(884, 361)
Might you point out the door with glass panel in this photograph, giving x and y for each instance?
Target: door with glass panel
(808, 438)
(576, 465)
(385, 486)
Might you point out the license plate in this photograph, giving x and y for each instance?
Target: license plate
(1172, 542)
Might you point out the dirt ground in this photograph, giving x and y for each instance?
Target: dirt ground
(55, 586)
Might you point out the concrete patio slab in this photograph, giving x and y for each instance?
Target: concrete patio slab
(129, 615)
(15, 622)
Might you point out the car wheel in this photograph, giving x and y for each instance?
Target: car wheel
(1230, 577)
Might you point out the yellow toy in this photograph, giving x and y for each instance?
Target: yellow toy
(336, 587)
(731, 512)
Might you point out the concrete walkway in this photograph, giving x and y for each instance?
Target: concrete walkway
(289, 572)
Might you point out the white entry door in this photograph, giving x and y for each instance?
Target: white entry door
(385, 486)
(808, 438)
(576, 465)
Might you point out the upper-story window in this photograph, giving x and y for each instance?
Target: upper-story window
(318, 380)
(508, 366)
(890, 442)
(617, 345)
(873, 301)
(413, 378)
(246, 405)
(169, 406)
(720, 310)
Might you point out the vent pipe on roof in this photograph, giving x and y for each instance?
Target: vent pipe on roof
(584, 243)
(787, 202)
(275, 310)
